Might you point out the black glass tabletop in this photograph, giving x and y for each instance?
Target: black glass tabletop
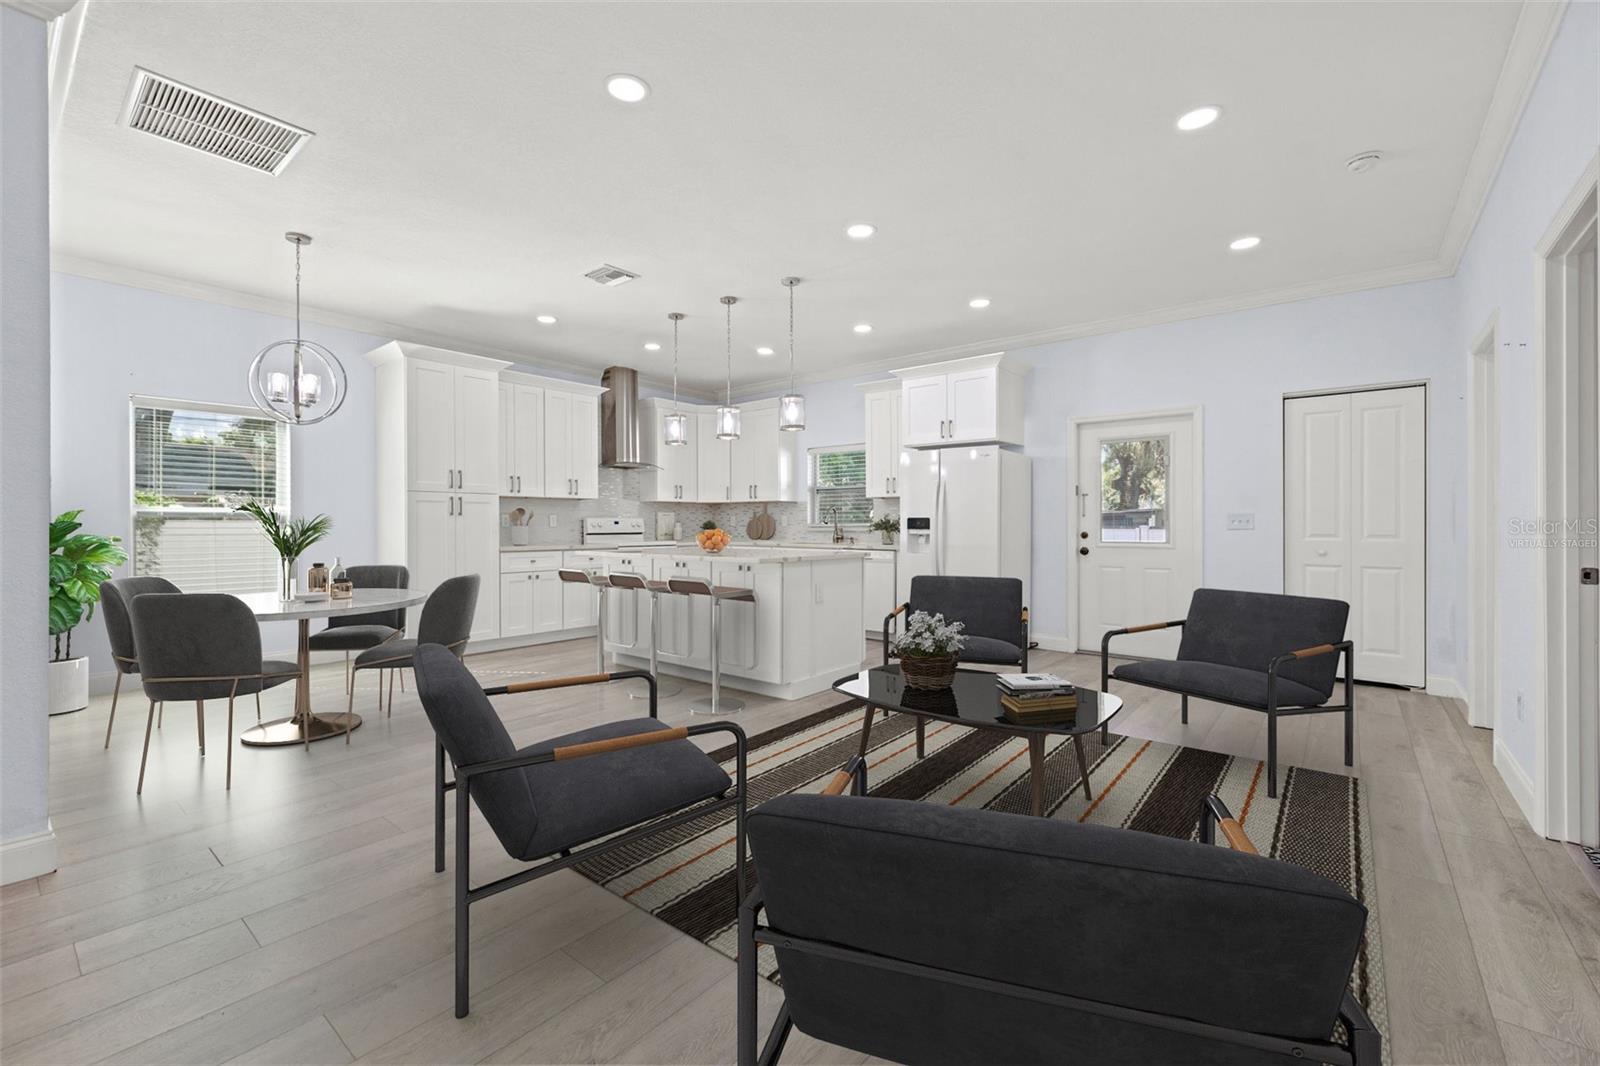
(973, 698)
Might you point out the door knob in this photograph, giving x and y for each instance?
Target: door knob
(1084, 534)
(1083, 551)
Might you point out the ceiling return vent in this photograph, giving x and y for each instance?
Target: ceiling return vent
(606, 274)
(185, 115)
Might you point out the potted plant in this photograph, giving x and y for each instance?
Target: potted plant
(927, 650)
(79, 562)
(711, 538)
(291, 537)
(888, 525)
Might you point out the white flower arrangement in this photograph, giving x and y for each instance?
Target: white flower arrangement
(929, 636)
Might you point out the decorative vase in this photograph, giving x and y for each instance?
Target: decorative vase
(286, 568)
(928, 671)
(888, 536)
(69, 685)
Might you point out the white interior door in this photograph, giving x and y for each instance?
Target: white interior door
(1138, 519)
(1355, 520)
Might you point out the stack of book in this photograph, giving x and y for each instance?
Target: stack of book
(1037, 699)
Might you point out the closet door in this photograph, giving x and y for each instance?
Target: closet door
(1355, 520)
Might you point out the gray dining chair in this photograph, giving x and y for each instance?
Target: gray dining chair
(446, 620)
(115, 595)
(199, 646)
(359, 632)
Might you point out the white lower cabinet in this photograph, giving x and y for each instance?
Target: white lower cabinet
(516, 605)
(450, 534)
(878, 591)
(549, 615)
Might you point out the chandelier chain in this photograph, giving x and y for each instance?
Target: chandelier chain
(791, 338)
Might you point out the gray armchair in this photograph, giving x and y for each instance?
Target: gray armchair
(358, 632)
(990, 609)
(918, 932)
(115, 595)
(199, 646)
(564, 800)
(1259, 650)
(446, 620)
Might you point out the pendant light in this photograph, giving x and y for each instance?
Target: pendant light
(727, 414)
(676, 425)
(299, 382)
(792, 406)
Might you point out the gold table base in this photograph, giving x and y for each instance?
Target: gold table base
(304, 726)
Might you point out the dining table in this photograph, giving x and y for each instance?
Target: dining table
(305, 725)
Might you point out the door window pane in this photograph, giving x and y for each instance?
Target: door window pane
(1133, 490)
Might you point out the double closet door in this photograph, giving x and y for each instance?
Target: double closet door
(1355, 520)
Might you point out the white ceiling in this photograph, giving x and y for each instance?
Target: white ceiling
(468, 167)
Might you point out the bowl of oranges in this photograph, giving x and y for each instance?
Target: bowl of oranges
(712, 539)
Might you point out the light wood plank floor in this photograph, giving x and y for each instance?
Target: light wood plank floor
(298, 918)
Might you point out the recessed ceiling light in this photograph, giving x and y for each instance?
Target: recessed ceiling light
(980, 303)
(652, 347)
(546, 320)
(860, 231)
(628, 88)
(863, 327)
(763, 351)
(1199, 118)
(1244, 244)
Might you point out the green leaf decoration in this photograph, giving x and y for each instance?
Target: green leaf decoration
(79, 563)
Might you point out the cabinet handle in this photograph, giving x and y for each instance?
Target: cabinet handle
(450, 501)
(461, 480)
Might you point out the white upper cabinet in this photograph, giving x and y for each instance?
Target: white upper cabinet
(477, 430)
(449, 438)
(884, 431)
(583, 434)
(431, 426)
(678, 475)
(571, 442)
(714, 460)
(764, 459)
(521, 439)
(965, 401)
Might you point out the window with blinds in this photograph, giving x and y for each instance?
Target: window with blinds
(192, 464)
(839, 483)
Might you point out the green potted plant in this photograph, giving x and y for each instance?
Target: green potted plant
(888, 525)
(290, 537)
(928, 650)
(79, 562)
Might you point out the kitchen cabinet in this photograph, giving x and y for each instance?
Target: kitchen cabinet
(714, 461)
(965, 401)
(530, 594)
(522, 436)
(451, 427)
(884, 405)
(571, 445)
(741, 622)
(450, 534)
(549, 606)
(516, 605)
(764, 460)
(878, 592)
(677, 477)
(580, 604)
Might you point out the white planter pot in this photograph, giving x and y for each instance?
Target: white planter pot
(69, 685)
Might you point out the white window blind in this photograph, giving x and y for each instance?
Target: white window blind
(839, 481)
(191, 466)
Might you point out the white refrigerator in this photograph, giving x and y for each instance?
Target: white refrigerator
(968, 512)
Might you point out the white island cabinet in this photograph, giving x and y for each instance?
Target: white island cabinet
(803, 632)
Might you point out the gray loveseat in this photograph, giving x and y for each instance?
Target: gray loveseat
(1261, 650)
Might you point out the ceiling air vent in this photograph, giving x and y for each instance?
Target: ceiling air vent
(606, 274)
(184, 115)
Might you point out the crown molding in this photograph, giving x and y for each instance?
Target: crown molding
(1428, 270)
(1537, 25)
(44, 10)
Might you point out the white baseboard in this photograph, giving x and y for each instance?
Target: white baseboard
(1448, 687)
(28, 856)
(1051, 642)
(1518, 783)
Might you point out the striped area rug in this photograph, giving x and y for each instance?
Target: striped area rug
(684, 876)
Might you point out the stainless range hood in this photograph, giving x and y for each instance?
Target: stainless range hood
(623, 443)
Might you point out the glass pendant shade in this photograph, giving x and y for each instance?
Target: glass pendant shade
(288, 379)
(675, 429)
(727, 423)
(792, 412)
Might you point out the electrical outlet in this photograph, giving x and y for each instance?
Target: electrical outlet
(553, 521)
(1242, 521)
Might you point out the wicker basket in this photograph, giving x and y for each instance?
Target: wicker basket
(928, 671)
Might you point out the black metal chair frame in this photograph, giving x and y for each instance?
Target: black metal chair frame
(1272, 710)
(889, 618)
(466, 895)
(1364, 1048)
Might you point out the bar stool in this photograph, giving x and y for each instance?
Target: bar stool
(600, 583)
(637, 583)
(690, 586)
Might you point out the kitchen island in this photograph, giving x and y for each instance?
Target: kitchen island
(804, 630)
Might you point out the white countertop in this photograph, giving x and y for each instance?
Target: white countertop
(744, 551)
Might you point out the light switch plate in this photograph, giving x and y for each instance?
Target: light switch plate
(553, 521)
(1242, 521)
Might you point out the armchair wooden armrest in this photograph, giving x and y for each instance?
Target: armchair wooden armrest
(853, 771)
(1217, 816)
(888, 620)
(578, 679)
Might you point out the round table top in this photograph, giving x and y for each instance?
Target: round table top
(268, 608)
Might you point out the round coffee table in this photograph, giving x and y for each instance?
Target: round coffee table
(973, 699)
(304, 726)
